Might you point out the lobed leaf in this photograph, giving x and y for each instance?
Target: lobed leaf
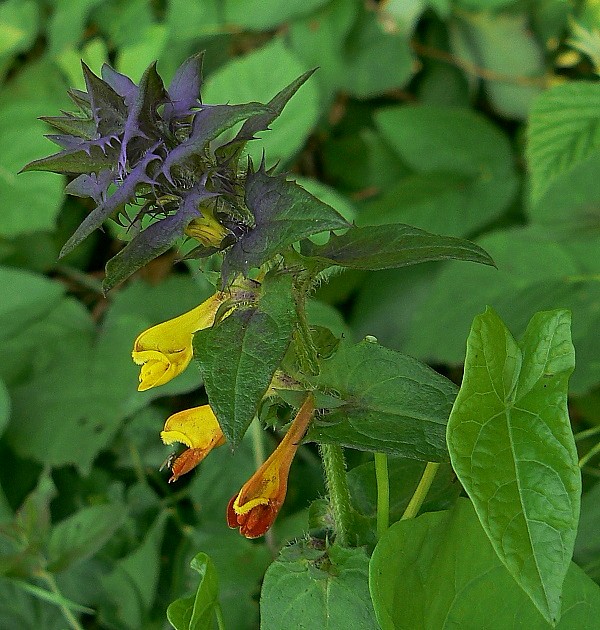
(511, 445)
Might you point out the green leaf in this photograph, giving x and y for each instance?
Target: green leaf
(452, 145)
(564, 130)
(440, 571)
(390, 246)
(284, 213)
(84, 533)
(4, 407)
(536, 271)
(238, 356)
(502, 43)
(511, 445)
(264, 15)
(196, 612)
(132, 584)
(308, 587)
(391, 403)
(20, 609)
(244, 79)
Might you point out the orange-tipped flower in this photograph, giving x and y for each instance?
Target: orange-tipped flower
(165, 350)
(255, 508)
(199, 430)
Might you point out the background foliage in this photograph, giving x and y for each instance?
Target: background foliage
(469, 118)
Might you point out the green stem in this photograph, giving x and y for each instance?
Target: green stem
(414, 505)
(582, 435)
(339, 495)
(383, 493)
(591, 453)
(219, 613)
(67, 614)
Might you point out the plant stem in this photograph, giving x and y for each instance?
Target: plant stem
(414, 505)
(219, 613)
(591, 453)
(383, 493)
(339, 495)
(582, 435)
(67, 614)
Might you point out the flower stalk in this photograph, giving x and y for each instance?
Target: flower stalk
(339, 494)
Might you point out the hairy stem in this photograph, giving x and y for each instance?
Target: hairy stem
(67, 614)
(383, 493)
(414, 505)
(337, 485)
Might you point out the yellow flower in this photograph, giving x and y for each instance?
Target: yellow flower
(207, 229)
(165, 350)
(199, 430)
(255, 507)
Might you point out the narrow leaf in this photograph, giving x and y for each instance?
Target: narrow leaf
(390, 246)
(511, 446)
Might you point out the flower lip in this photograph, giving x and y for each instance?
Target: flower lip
(196, 428)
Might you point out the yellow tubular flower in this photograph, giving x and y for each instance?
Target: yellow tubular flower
(165, 350)
(199, 430)
(207, 229)
(255, 507)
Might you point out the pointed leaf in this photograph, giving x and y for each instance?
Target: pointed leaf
(123, 195)
(71, 125)
(390, 246)
(155, 240)
(391, 403)
(284, 213)
(511, 446)
(239, 356)
(108, 108)
(184, 89)
(121, 84)
(209, 123)
(91, 158)
(197, 612)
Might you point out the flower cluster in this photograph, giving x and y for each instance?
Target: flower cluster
(152, 158)
(163, 352)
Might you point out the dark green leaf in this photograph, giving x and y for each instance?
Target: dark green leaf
(392, 403)
(389, 246)
(310, 587)
(511, 445)
(239, 356)
(196, 612)
(440, 571)
(284, 213)
(81, 535)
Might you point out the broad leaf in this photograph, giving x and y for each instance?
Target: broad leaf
(284, 213)
(81, 535)
(511, 446)
(391, 403)
(440, 571)
(196, 612)
(563, 131)
(308, 587)
(239, 356)
(389, 246)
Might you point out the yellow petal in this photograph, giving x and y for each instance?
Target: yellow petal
(196, 428)
(207, 230)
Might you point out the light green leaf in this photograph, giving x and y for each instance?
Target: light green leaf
(440, 571)
(19, 21)
(307, 587)
(564, 131)
(390, 403)
(238, 356)
(464, 159)
(258, 76)
(197, 612)
(502, 43)
(262, 15)
(511, 445)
